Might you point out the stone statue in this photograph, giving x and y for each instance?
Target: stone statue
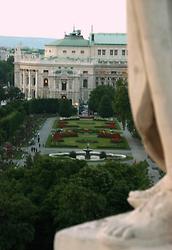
(149, 226)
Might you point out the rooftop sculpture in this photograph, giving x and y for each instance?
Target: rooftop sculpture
(149, 226)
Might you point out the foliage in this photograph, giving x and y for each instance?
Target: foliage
(121, 102)
(50, 194)
(7, 72)
(11, 122)
(97, 94)
(66, 109)
(105, 107)
(50, 106)
(102, 154)
(37, 106)
(122, 107)
(14, 93)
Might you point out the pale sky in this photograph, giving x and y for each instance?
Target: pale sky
(51, 18)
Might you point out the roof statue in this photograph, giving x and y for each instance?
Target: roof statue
(149, 226)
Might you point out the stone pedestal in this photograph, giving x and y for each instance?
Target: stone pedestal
(146, 228)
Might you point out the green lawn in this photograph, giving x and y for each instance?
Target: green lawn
(84, 138)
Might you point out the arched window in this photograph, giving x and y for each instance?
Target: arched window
(64, 85)
(45, 82)
(64, 97)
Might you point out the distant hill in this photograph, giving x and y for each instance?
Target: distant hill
(32, 42)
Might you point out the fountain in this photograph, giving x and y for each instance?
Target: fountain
(89, 155)
(87, 151)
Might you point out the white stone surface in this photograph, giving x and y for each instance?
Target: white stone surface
(149, 226)
(137, 230)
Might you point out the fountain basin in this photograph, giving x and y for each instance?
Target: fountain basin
(93, 155)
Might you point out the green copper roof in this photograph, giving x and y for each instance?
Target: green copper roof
(110, 38)
(74, 42)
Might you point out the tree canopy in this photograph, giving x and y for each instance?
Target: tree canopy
(7, 72)
(97, 94)
(52, 194)
(105, 107)
(122, 107)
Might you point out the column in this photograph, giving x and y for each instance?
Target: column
(24, 82)
(29, 93)
(36, 84)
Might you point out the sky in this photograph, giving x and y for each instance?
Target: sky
(52, 18)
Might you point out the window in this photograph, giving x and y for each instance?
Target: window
(73, 51)
(116, 52)
(82, 51)
(49, 51)
(45, 71)
(103, 52)
(57, 82)
(99, 52)
(45, 82)
(34, 81)
(111, 52)
(85, 83)
(64, 85)
(64, 97)
(33, 93)
(123, 52)
(85, 72)
(64, 51)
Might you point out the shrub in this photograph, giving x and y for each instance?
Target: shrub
(72, 154)
(102, 155)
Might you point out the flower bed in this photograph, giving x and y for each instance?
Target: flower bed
(69, 133)
(105, 134)
(116, 139)
(62, 124)
(110, 125)
(57, 137)
(99, 134)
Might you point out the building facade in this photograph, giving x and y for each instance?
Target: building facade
(72, 67)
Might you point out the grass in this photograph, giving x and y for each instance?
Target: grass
(87, 137)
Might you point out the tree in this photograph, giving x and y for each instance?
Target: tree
(52, 194)
(2, 93)
(96, 95)
(66, 109)
(122, 107)
(14, 93)
(121, 102)
(7, 71)
(105, 107)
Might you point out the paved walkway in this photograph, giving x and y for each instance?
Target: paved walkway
(43, 135)
(139, 154)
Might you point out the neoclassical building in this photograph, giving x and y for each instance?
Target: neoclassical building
(72, 67)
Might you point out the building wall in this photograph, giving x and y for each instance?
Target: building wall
(71, 75)
(61, 51)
